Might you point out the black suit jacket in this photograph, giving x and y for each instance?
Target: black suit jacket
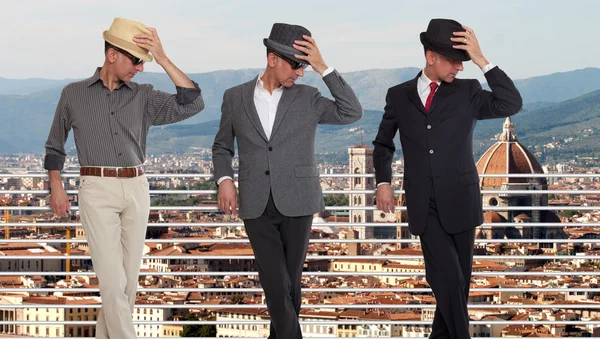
(438, 146)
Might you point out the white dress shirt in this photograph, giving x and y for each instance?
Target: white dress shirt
(423, 89)
(423, 83)
(266, 106)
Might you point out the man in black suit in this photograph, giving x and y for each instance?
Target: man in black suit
(436, 114)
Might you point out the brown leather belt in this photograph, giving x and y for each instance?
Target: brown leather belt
(112, 172)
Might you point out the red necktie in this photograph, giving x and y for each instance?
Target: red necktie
(433, 85)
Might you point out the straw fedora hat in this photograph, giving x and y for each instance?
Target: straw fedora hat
(120, 34)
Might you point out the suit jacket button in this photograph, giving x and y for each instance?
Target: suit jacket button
(428, 126)
(267, 172)
(270, 148)
(430, 151)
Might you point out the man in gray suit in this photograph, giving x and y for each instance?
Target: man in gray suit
(275, 121)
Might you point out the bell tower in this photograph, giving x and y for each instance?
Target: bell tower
(361, 162)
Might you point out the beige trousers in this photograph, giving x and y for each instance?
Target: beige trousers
(114, 214)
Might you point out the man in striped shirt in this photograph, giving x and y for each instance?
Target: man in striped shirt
(110, 117)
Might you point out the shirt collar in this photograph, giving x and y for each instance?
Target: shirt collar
(261, 85)
(96, 77)
(423, 82)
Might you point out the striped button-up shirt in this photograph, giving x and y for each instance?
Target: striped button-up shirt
(110, 128)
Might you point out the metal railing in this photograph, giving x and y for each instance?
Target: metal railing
(575, 308)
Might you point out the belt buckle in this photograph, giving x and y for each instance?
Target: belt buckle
(117, 171)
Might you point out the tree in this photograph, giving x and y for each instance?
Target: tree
(237, 299)
(198, 330)
(205, 185)
(208, 331)
(569, 213)
(336, 200)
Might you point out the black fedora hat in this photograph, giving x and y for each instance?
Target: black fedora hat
(282, 38)
(437, 38)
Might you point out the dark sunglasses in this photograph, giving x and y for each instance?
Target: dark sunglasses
(295, 64)
(136, 61)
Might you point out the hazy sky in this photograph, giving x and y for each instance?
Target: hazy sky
(63, 39)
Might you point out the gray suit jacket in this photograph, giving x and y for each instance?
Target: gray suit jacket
(283, 164)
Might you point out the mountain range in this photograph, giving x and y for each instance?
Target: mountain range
(558, 106)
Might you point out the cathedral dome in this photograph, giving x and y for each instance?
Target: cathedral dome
(507, 156)
(523, 217)
(493, 216)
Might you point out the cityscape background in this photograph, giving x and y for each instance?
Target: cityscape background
(536, 263)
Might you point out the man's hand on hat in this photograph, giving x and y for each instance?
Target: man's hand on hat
(313, 55)
(152, 43)
(469, 43)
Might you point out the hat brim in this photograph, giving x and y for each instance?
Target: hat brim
(445, 49)
(286, 51)
(130, 47)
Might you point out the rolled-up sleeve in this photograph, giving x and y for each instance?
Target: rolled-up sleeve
(165, 108)
(59, 132)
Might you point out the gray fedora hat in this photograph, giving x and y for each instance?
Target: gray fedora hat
(282, 38)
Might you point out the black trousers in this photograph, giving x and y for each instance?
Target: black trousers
(280, 244)
(448, 266)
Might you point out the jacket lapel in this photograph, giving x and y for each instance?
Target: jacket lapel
(248, 99)
(441, 94)
(284, 104)
(413, 94)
